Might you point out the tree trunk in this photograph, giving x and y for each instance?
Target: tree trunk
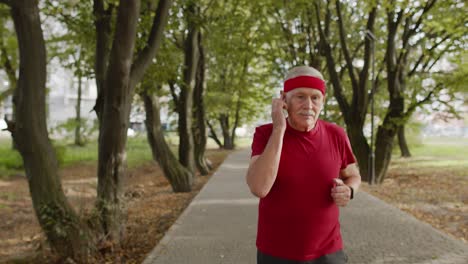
(103, 26)
(178, 176)
(224, 122)
(66, 233)
(213, 134)
(393, 118)
(361, 151)
(78, 139)
(186, 153)
(199, 128)
(387, 131)
(384, 143)
(404, 149)
(236, 121)
(117, 101)
(238, 106)
(386, 136)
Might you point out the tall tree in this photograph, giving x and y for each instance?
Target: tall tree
(354, 107)
(199, 117)
(413, 46)
(191, 53)
(55, 215)
(66, 233)
(418, 36)
(178, 176)
(166, 70)
(239, 83)
(115, 98)
(115, 110)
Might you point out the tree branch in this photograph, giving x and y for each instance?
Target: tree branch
(377, 80)
(356, 50)
(145, 57)
(349, 62)
(174, 94)
(423, 55)
(288, 35)
(103, 27)
(418, 23)
(414, 105)
(369, 51)
(335, 79)
(213, 134)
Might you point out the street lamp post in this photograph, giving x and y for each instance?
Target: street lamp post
(371, 168)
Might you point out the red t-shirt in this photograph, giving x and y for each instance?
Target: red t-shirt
(298, 219)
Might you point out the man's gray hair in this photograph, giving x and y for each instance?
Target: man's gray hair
(303, 70)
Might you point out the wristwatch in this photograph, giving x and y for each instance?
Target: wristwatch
(352, 192)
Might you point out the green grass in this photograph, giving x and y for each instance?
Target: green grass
(449, 154)
(138, 152)
(445, 148)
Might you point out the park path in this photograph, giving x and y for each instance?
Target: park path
(219, 226)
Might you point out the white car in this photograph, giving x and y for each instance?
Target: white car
(3, 124)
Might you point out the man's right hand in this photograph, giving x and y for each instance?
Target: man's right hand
(277, 116)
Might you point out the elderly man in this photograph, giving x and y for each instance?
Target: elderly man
(302, 168)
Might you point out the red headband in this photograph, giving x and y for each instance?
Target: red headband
(305, 82)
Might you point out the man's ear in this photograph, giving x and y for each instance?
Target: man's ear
(283, 96)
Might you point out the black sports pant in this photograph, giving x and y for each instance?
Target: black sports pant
(338, 257)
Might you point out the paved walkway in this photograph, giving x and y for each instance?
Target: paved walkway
(219, 226)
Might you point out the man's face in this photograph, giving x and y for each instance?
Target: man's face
(303, 106)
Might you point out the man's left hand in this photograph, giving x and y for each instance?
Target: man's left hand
(341, 193)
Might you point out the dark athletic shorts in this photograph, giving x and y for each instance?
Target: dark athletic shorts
(338, 257)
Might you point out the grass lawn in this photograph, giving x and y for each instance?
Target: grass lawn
(138, 152)
(449, 154)
(431, 185)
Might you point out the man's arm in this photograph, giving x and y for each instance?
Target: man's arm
(263, 168)
(349, 177)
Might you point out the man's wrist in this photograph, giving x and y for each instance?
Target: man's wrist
(351, 196)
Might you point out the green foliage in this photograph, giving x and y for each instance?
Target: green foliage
(74, 44)
(55, 219)
(60, 153)
(238, 70)
(67, 129)
(10, 159)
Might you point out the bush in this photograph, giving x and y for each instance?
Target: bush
(11, 160)
(60, 152)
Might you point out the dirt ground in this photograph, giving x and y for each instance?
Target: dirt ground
(151, 204)
(436, 196)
